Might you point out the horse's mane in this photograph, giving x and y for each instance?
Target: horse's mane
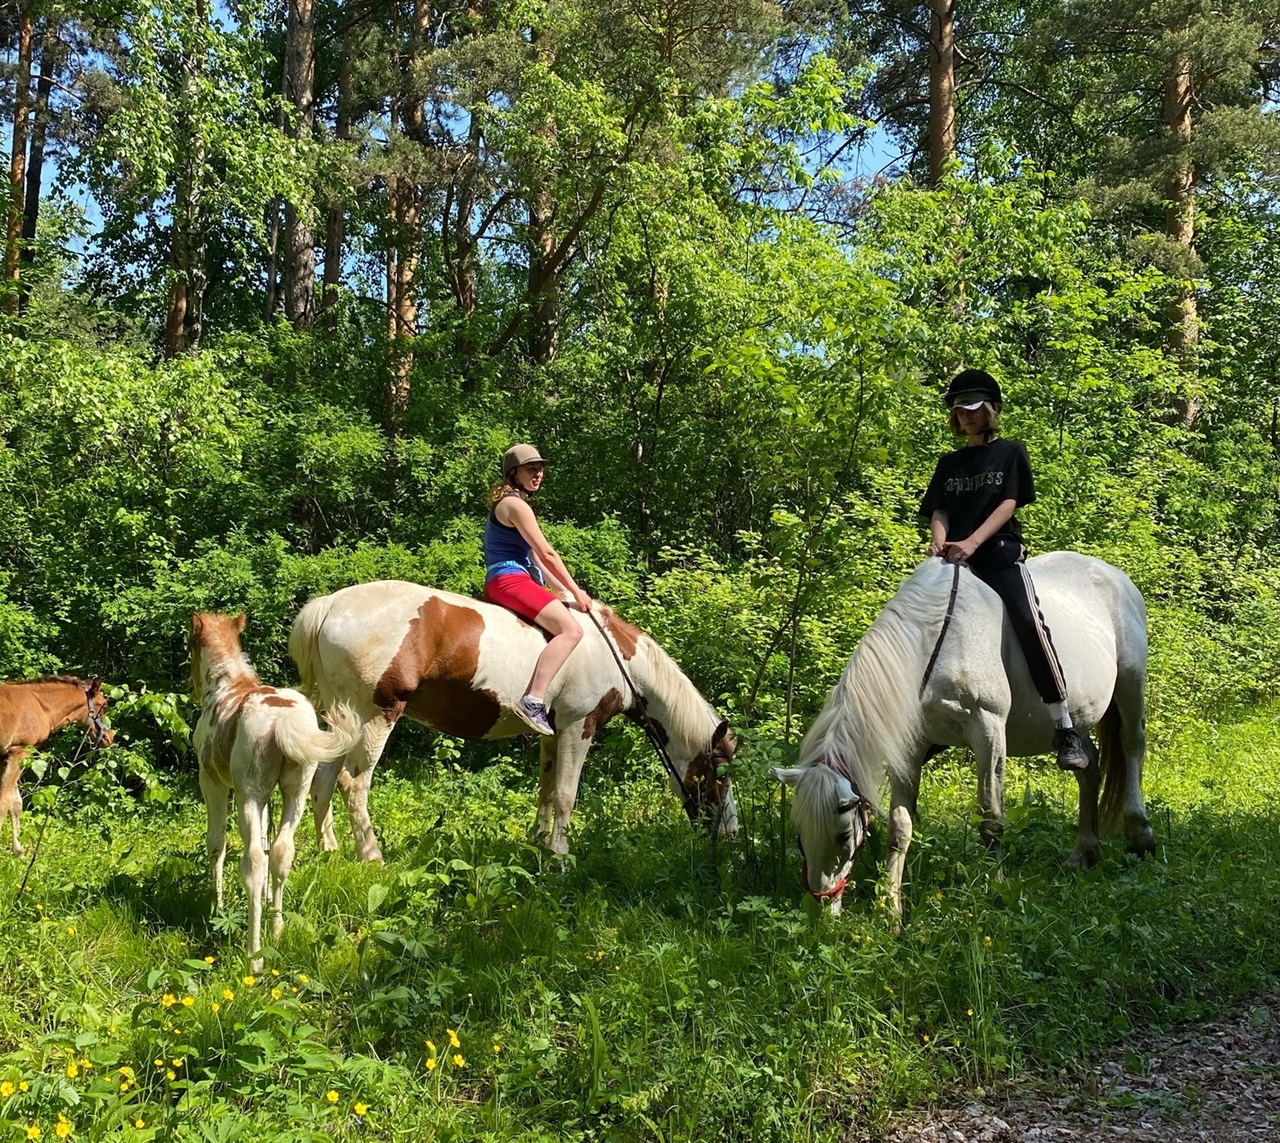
(872, 717)
(693, 719)
(65, 680)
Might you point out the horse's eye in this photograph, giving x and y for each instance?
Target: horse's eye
(842, 838)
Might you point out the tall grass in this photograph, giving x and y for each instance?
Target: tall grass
(655, 987)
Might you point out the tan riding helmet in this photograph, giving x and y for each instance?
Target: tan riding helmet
(517, 455)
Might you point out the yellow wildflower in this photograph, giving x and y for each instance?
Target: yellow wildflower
(431, 1047)
(431, 1064)
(127, 1072)
(177, 1063)
(276, 994)
(73, 1070)
(6, 1089)
(458, 1061)
(64, 1127)
(210, 959)
(125, 1085)
(331, 1096)
(71, 932)
(969, 1012)
(168, 1000)
(158, 1062)
(986, 942)
(303, 978)
(139, 1122)
(361, 1108)
(23, 1085)
(215, 1007)
(227, 994)
(187, 1001)
(33, 1132)
(454, 1042)
(171, 1074)
(275, 972)
(496, 1047)
(248, 981)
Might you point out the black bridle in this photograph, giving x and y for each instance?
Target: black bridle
(93, 723)
(693, 802)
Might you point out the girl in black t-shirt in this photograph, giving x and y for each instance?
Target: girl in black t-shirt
(970, 505)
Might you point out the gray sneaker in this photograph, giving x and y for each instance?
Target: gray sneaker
(533, 712)
(1070, 751)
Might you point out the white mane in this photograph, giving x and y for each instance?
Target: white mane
(872, 717)
(688, 718)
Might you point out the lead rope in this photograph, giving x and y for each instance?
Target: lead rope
(946, 622)
(646, 724)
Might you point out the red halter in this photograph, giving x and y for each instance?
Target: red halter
(832, 894)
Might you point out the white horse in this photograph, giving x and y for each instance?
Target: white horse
(882, 717)
(251, 739)
(456, 664)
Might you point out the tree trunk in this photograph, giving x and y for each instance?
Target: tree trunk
(18, 160)
(942, 87)
(544, 292)
(336, 216)
(1180, 218)
(52, 54)
(464, 257)
(405, 197)
(299, 92)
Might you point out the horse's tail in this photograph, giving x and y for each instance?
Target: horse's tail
(1115, 772)
(303, 740)
(304, 649)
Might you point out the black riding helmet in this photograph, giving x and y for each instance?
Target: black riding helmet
(973, 381)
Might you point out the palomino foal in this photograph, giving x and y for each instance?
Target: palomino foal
(29, 713)
(251, 739)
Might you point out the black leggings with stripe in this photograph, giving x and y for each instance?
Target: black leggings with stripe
(1003, 568)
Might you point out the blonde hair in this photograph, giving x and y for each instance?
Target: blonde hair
(992, 424)
(502, 490)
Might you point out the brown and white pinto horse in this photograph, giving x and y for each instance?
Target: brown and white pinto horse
(29, 713)
(456, 664)
(251, 739)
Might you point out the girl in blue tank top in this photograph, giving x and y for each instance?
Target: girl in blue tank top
(519, 563)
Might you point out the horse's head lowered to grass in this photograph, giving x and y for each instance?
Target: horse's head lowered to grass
(832, 821)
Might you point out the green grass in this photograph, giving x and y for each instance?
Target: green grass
(655, 988)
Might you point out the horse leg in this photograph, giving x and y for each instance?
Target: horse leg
(571, 751)
(1130, 705)
(986, 739)
(904, 791)
(1087, 850)
(545, 821)
(217, 796)
(326, 777)
(295, 781)
(11, 796)
(361, 763)
(253, 867)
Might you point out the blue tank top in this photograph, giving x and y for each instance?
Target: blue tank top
(506, 551)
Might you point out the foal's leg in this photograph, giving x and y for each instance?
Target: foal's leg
(1087, 850)
(295, 782)
(361, 763)
(11, 796)
(326, 777)
(217, 795)
(253, 866)
(904, 790)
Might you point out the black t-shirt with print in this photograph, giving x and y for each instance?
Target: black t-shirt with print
(970, 483)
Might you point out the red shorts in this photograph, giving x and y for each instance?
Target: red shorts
(519, 593)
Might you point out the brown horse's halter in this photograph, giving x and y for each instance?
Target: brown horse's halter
(93, 723)
(692, 803)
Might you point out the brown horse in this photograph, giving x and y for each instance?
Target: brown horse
(29, 713)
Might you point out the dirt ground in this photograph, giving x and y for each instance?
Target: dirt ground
(1216, 1082)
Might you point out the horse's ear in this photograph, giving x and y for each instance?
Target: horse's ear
(787, 775)
(240, 621)
(96, 685)
(721, 731)
(197, 623)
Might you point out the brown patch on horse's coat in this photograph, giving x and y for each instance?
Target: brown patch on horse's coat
(609, 705)
(432, 673)
(624, 635)
(277, 700)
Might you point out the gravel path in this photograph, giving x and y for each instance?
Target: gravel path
(1204, 1083)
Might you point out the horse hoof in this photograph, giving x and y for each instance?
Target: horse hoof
(1083, 859)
